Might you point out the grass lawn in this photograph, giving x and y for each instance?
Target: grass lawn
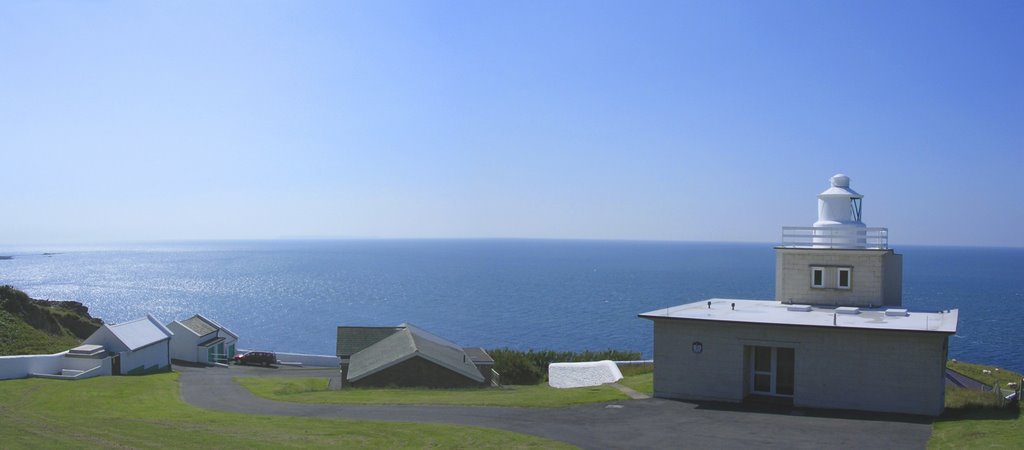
(973, 419)
(314, 390)
(641, 383)
(146, 412)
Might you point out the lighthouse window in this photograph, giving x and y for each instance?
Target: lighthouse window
(855, 209)
(843, 278)
(818, 277)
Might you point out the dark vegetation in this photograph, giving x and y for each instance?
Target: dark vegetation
(531, 366)
(29, 326)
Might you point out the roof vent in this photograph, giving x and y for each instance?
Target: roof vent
(848, 310)
(896, 312)
(799, 308)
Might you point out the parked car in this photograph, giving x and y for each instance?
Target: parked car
(264, 358)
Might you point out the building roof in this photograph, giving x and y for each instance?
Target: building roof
(409, 342)
(140, 332)
(352, 340)
(479, 355)
(777, 313)
(202, 326)
(211, 341)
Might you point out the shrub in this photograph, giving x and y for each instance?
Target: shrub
(515, 368)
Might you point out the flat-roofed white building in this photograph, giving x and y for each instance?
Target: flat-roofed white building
(836, 335)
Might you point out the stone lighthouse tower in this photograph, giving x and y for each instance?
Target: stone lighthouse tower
(839, 261)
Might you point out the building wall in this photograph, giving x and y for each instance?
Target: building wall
(306, 359)
(103, 336)
(871, 370)
(416, 371)
(19, 366)
(147, 359)
(876, 277)
(893, 279)
(183, 343)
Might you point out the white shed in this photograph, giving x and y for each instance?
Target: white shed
(201, 340)
(139, 346)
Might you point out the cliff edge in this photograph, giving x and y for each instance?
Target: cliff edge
(30, 326)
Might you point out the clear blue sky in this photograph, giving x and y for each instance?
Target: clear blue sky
(681, 120)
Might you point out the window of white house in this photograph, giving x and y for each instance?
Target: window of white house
(818, 277)
(843, 278)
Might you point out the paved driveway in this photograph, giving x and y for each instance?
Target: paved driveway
(633, 424)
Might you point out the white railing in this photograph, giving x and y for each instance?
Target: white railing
(825, 237)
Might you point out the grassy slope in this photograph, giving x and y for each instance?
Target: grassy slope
(965, 425)
(19, 338)
(641, 382)
(146, 412)
(314, 390)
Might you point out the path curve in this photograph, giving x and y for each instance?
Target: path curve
(653, 423)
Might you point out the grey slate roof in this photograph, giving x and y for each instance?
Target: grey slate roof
(198, 325)
(351, 340)
(409, 342)
(203, 326)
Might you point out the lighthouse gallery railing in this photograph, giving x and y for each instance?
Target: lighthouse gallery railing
(824, 237)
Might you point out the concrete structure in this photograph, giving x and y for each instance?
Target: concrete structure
(136, 347)
(68, 365)
(408, 356)
(836, 335)
(582, 374)
(201, 340)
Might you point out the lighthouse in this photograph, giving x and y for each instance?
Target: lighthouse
(839, 216)
(836, 335)
(838, 261)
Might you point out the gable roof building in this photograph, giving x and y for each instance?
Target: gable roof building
(407, 355)
(138, 346)
(202, 340)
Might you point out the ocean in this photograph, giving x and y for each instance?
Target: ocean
(289, 296)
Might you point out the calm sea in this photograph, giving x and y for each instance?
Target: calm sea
(565, 295)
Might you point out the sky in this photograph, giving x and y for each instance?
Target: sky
(678, 120)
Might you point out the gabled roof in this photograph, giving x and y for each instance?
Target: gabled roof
(140, 332)
(352, 340)
(479, 355)
(202, 326)
(409, 342)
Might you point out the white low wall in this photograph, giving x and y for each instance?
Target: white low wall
(305, 359)
(99, 367)
(19, 366)
(582, 374)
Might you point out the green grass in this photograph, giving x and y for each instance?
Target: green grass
(643, 382)
(146, 412)
(314, 390)
(20, 338)
(974, 419)
(996, 376)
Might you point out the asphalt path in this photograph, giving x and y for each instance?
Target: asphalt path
(632, 424)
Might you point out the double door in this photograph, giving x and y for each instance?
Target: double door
(771, 371)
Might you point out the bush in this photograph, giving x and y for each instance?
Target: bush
(515, 368)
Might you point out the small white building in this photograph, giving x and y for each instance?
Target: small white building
(836, 335)
(201, 340)
(136, 347)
